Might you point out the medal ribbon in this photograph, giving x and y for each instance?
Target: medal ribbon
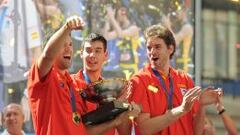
(170, 93)
(76, 117)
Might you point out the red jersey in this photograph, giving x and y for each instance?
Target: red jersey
(50, 104)
(149, 92)
(87, 106)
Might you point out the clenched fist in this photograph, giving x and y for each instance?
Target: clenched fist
(75, 23)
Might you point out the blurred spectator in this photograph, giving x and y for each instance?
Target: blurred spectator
(49, 9)
(13, 119)
(1, 100)
(128, 38)
(51, 16)
(73, 7)
(229, 124)
(209, 128)
(24, 102)
(227, 120)
(183, 36)
(25, 105)
(19, 38)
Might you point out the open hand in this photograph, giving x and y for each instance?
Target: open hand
(209, 96)
(189, 98)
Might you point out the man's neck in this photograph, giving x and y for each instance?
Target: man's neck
(93, 75)
(62, 71)
(163, 70)
(15, 132)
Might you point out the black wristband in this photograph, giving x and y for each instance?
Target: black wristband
(222, 111)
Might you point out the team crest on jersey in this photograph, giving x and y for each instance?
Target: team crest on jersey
(183, 91)
(61, 84)
(153, 88)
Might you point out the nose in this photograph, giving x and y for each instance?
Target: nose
(151, 51)
(68, 47)
(12, 117)
(93, 54)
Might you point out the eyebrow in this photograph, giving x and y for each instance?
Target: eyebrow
(156, 44)
(99, 48)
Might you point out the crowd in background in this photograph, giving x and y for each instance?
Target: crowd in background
(26, 25)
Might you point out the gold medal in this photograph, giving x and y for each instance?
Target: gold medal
(76, 118)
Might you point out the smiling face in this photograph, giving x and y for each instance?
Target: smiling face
(161, 46)
(13, 118)
(64, 58)
(158, 52)
(93, 56)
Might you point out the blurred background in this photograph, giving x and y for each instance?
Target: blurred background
(207, 34)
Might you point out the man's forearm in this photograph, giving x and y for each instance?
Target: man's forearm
(56, 42)
(125, 127)
(158, 123)
(53, 47)
(229, 124)
(199, 121)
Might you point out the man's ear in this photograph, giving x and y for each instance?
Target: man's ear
(24, 118)
(170, 49)
(1, 119)
(81, 53)
(106, 55)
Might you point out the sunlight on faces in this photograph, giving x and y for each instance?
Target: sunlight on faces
(64, 59)
(93, 55)
(158, 52)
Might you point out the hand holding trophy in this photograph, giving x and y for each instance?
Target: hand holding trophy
(111, 95)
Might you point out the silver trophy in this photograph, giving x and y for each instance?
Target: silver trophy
(111, 95)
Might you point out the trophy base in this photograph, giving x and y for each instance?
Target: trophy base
(105, 112)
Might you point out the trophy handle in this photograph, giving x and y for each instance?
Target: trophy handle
(126, 92)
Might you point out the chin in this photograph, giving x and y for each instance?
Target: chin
(92, 69)
(66, 65)
(153, 64)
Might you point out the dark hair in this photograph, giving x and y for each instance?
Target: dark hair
(163, 33)
(95, 37)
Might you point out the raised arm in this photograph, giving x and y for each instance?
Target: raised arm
(56, 44)
(47, 9)
(207, 97)
(227, 120)
(131, 31)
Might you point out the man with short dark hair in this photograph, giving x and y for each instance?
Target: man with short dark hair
(94, 54)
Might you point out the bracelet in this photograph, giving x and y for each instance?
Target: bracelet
(222, 111)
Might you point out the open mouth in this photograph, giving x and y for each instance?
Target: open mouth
(67, 57)
(92, 63)
(154, 59)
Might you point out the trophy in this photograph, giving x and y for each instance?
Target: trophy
(105, 93)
